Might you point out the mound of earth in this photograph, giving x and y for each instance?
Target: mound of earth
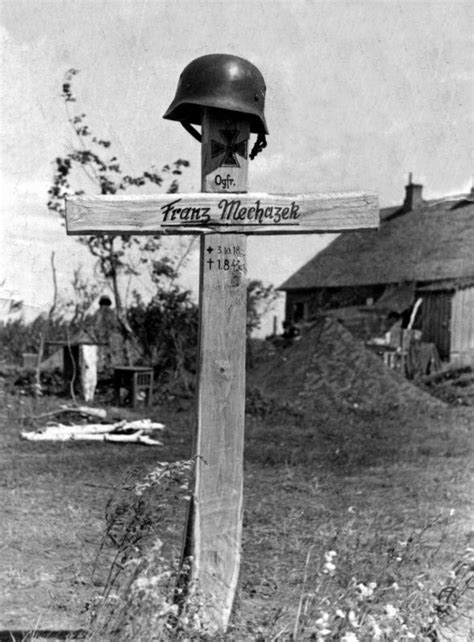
(329, 368)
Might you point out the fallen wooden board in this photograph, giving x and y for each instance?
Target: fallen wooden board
(138, 437)
(122, 432)
(252, 213)
(79, 410)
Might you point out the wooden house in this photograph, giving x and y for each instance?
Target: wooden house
(369, 279)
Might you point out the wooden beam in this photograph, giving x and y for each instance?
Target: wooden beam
(227, 212)
(214, 529)
(224, 154)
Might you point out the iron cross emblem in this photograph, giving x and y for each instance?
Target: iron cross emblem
(230, 149)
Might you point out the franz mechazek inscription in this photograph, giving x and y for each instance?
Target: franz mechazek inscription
(231, 211)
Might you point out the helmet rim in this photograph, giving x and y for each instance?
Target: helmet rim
(221, 81)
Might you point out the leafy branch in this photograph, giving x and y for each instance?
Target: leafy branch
(91, 158)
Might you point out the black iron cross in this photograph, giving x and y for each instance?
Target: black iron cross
(230, 149)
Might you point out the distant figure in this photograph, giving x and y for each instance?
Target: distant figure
(106, 328)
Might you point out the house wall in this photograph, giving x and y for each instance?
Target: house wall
(462, 327)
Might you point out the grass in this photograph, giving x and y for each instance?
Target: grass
(356, 526)
(369, 519)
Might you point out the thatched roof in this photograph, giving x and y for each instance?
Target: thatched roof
(432, 243)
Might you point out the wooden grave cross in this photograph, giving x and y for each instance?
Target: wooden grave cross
(224, 214)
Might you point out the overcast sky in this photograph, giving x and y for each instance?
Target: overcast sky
(359, 94)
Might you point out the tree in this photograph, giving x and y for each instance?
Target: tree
(90, 161)
(167, 330)
(85, 293)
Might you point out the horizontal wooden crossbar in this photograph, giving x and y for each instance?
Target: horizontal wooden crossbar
(225, 212)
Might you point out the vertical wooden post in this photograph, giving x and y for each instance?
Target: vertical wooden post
(215, 522)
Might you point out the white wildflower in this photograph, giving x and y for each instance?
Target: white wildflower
(351, 616)
(366, 591)
(329, 566)
(377, 633)
(349, 637)
(323, 620)
(407, 635)
(395, 586)
(391, 610)
(322, 625)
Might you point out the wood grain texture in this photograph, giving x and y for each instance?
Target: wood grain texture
(217, 519)
(226, 213)
(224, 152)
(215, 526)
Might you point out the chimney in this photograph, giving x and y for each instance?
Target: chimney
(413, 196)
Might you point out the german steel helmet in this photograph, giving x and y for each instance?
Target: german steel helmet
(222, 81)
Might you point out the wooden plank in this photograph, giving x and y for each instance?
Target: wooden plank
(214, 530)
(252, 213)
(461, 351)
(217, 519)
(224, 153)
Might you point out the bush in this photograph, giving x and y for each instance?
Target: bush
(18, 337)
(167, 332)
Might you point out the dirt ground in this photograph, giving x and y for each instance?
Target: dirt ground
(326, 468)
(53, 498)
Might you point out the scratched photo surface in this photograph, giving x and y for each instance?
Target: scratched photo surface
(369, 116)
